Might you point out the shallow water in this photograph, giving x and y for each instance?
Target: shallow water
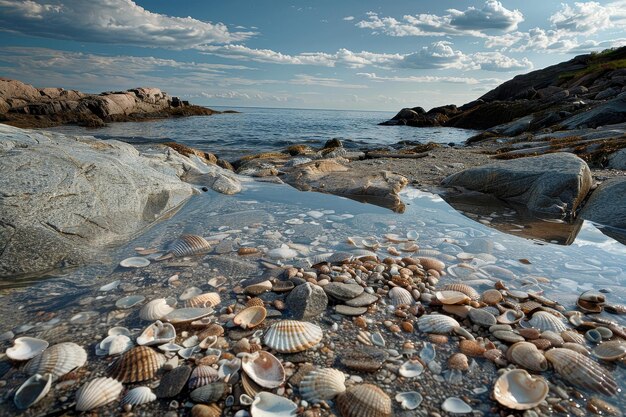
(70, 306)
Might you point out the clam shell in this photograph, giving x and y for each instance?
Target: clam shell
(409, 400)
(411, 369)
(437, 323)
(455, 405)
(250, 317)
(141, 363)
(610, 351)
(228, 368)
(543, 321)
(135, 262)
(266, 404)
(155, 309)
(138, 396)
(452, 297)
(249, 386)
(157, 333)
(25, 348)
(464, 288)
(431, 263)
(592, 296)
(364, 400)
(32, 390)
(581, 371)
(510, 317)
(264, 369)
(96, 393)
(518, 390)
(202, 375)
(290, 336)
(186, 315)
(400, 296)
(209, 299)
(187, 245)
(57, 360)
(322, 384)
(209, 393)
(527, 355)
(202, 410)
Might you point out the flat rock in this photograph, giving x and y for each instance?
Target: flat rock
(607, 206)
(555, 183)
(343, 292)
(306, 301)
(608, 113)
(364, 358)
(363, 300)
(173, 382)
(350, 311)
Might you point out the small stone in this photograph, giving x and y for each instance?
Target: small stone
(364, 358)
(343, 292)
(307, 301)
(350, 311)
(362, 300)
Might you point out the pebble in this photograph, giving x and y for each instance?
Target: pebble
(343, 292)
(350, 311)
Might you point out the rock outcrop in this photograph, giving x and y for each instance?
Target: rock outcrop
(607, 206)
(554, 184)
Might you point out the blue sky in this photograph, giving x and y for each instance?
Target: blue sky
(363, 54)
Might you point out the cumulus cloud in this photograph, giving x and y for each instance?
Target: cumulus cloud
(472, 21)
(111, 21)
(348, 18)
(585, 18)
(496, 61)
(437, 55)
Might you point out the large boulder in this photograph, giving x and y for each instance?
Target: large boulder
(608, 113)
(617, 160)
(607, 206)
(66, 197)
(554, 184)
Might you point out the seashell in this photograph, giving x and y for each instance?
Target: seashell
(255, 301)
(507, 336)
(431, 263)
(243, 251)
(139, 396)
(208, 342)
(543, 321)
(615, 308)
(249, 386)
(588, 306)
(482, 317)
(264, 369)
(202, 410)
(437, 323)
(592, 296)
(593, 336)
(411, 369)
(364, 400)
(202, 375)
(409, 400)
(170, 347)
(117, 331)
(529, 333)
(209, 299)
(452, 297)
(156, 334)
(576, 347)
(290, 336)
(187, 245)
(605, 332)
(510, 317)
(529, 306)
(461, 311)
(57, 360)
(266, 404)
(518, 390)
(188, 353)
(32, 390)
(542, 344)
(114, 345)
(555, 339)
(610, 351)
(258, 288)
(322, 384)
(492, 297)
(209, 393)
(458, 361)
(455, 405)
(186, 315)
(96, 393)
(527, 355)
(579, 370)
(471, 347)
(138, 364)
(464, 288)
(573, 336)
(228, 368)
(25, 348)
(156, 309)
(250, 317)
(135, 262)
(400, 296)
(190, 293)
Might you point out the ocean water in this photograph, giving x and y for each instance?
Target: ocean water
(256, 130)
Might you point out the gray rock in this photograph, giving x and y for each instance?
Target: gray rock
(362, 300)
(608, 93)
(608, 113)
(306, 301)
(554, 183)
(349, 311)
(173, 382)
(607, 204)
(343, 292)
(617, 160)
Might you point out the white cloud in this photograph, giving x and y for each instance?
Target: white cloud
(111, 21)
(348, 18)
(584, 18)
(305, 79)
(493, 15)
(419, 79)
(437, 55)
(496, 61)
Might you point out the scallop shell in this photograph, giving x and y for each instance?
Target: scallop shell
(579, 370)
(452, 297)
(209, 393)
(432, 263)
(543, 321)
(266, 404)
(518, 390)
(437, 323)
(364, 400)
(138, 396)
(264, 369)
(592, 296)
(290, 336)
(573, 336)
(527, 355)
(322, 384)
(32, 390)
(155, 309)
(25, 348)
(187, 245)
(209, 299)
(610, 351)
(464, 288)
(202, 410)
(96, 393)
(249, 386)
(255, 301)
(157, 333)
(400, 296)
(202, 375)
(250, 317)
(141, 363)
(57, 360)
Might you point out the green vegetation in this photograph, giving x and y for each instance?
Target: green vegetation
(600, 62)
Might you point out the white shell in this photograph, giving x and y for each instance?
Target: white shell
(155, 310)
(187, 314)
(322, 384)
(57, 360)
(264, 369)
(409, 400)
(96, 393)
(25, 348)
(456, 405)
(135, 262)
(411, 369)
(156, 334)
(120, 344)
(518, 390)
(543, 321)
(437, 323)
(399, 296)
(138, 396)
(266, 404)
(290, 336)
(34, 389)
(228, 368)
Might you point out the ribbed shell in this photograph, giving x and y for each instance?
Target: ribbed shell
(322, 384)
(527, 356)
(264, 369)
(187, 245)
(543, 321)
(202, 375)
(96, 393)
(437, 323)
(290, 336)
(464, 288)
(209, 299)
(249, 386)
(57, 360)
(155, 310)
(138, 396)
(581, 371)
(209, 393)
(610, 351)
(255, 301)
(573, 336)
(432, 263)
(451, 297)
(250, 317)
(399, 296)
(138, 364)
(364, 400)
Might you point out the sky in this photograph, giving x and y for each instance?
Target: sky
(361, 55)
